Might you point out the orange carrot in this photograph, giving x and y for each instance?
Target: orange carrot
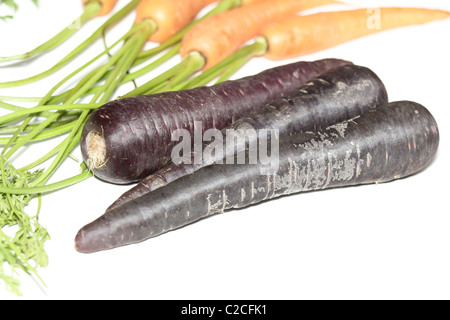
(170, 16)
(107, 6)
(217, 37)
(300, 35)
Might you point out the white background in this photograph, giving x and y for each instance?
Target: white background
(388, 241)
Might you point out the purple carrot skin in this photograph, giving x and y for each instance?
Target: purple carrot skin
(126, 140)
(340, 94)
(385, 144)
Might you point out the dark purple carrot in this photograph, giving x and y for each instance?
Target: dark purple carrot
(126, 140)
(387, 143)
(340, 94)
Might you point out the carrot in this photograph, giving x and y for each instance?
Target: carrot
(117, 134)
(335, 96)
(214, 38)
(303, 35)
(106, 6)
(222, 34)
(389, 143)
(223, 5)
(299, 35)
(92, 8)
(169, 15)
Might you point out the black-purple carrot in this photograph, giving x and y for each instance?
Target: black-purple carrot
(387, 143)
(340, 94)
(126, 140)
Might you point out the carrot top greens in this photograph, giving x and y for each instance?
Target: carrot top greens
(22, 238)
(58, 115)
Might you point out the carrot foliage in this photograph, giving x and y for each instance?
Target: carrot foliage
(22, 238)
(59, 116)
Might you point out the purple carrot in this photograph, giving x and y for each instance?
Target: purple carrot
(387, 143)
(126, 140)
(332, 97)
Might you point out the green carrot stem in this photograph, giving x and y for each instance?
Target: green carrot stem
(101, 71)
(124, 64)
(90, 11)
(54, 131)
(8, 106)
(163, 86)
(12, 129)
(194, 61)
(191, 67)
(112, 20)
(235, 66)
(15, 108)
(86, 78)
(79, 85)
(56, 99)
(131, 76)
(150, 53)
(15, 135)
(49, 187)
(10, 141)
(154, 64)
(29, 136)
(20, 99)
(62, 154)
(25, 112)
(259, 47)
(222, 74)
(60, 98)
(44, 158)
(93, 90)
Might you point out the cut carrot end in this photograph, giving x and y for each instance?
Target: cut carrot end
(96, 149)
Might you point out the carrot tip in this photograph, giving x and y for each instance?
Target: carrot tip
(96, 149)
(95, 236)
(79, 241)
(90, 238)
(83, 243)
